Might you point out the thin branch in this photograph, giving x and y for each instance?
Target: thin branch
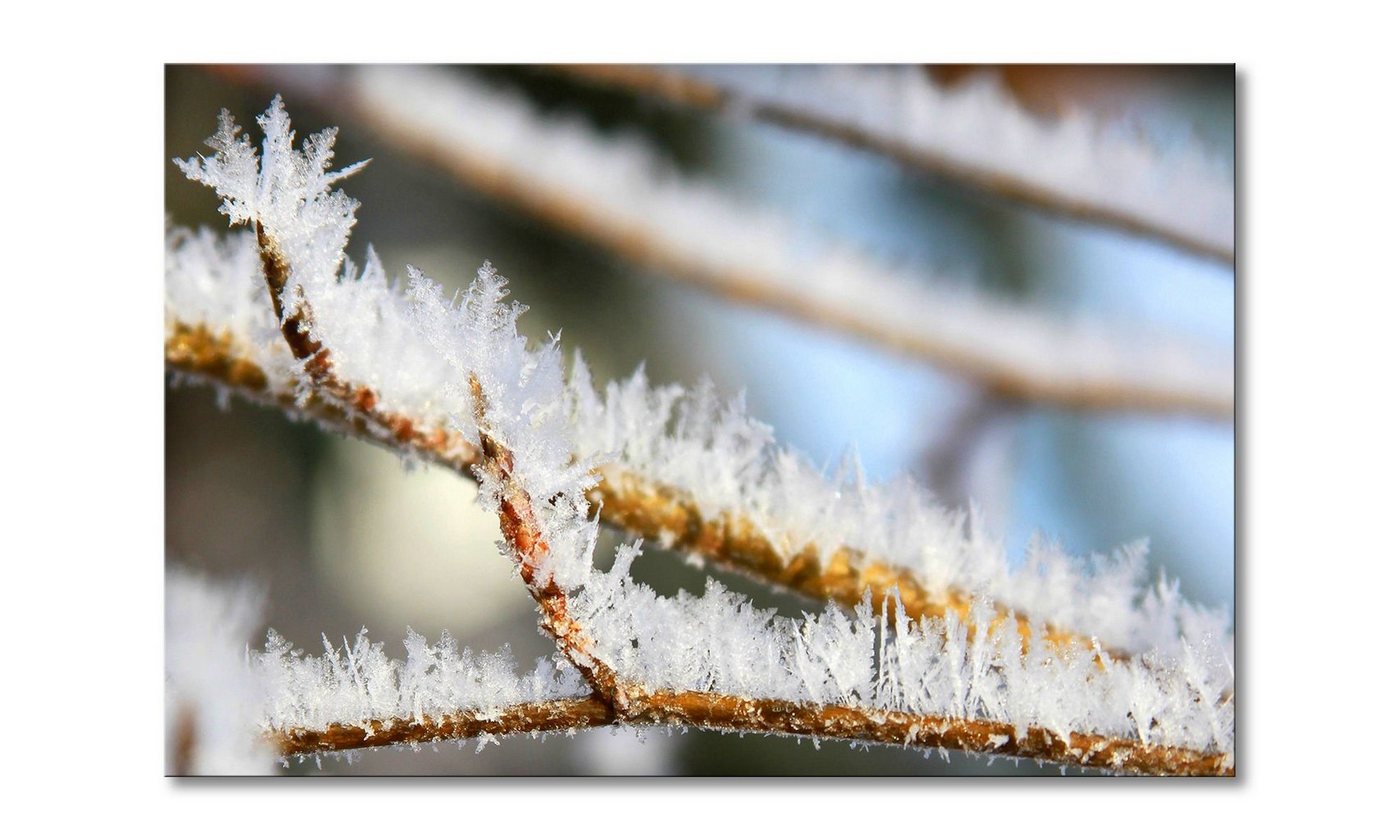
(610, 194)
(863, 125)
(713, 711)
(622, 499)
(547, 716)
(523, 536)
(724, 713)
(355, 401)
(197, 353)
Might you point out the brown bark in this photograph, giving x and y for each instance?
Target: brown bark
(623, 500)
(776, 717)
(550, 716)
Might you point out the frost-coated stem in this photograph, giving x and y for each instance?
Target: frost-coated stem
(621, 499)
(198, 353)
(548, 716)
(724, 713)
(524, 538)
(712, 661)
(732, 541)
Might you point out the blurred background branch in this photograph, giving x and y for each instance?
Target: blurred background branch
(914, 116)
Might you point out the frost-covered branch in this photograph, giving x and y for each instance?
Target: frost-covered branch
(623, 499)
(976, 133)
(623, 196)
(510, 395)
(354, 697)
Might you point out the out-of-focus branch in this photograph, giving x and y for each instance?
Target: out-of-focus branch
(610, 194)
(622, 499)
(874, 124)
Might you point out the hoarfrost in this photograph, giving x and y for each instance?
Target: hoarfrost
(356, 682)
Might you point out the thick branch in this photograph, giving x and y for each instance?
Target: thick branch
(622, 499)
(678, 88)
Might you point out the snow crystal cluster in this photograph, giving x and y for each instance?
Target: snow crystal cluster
(232, 696)
(978, 125)
(522, 409)
(358, 312)
(720, 643)
(729, 462)
(358, 683)
(557, 433)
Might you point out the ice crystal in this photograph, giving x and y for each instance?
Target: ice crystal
(357, 682)
(357, 312)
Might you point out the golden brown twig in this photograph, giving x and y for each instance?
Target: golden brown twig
(548, 716)
(725, 713)
(196, 352)
(524, 537)
(621, 498)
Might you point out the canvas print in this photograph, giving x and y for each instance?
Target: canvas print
(704, 420)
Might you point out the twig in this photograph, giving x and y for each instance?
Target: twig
(1013, 352)
(777, 717)
(548, 716)
(686, 89)
(523, 535)
(622, 499)
(196, 352)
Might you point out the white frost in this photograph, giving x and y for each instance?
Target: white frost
(356, 682)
